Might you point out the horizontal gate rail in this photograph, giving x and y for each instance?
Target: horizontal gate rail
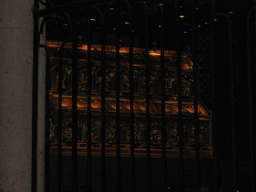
(69, 7)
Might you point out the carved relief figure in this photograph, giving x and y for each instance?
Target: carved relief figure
(125, 82)
(83, 81)
(169, 84)
(67, 132)
(111, 132)
(186, 84)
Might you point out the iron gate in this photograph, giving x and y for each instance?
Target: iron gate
(134, 99)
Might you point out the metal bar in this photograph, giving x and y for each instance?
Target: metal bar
(36, 40)
(118, 120)
(232, 98)
(250, 94)
(89, 111)
(74, 114)
(132, 145)
(89, 151)
(59, 128)
(163, 97)
(103, 98)
(181, 158)
(147, 101)
(232, 110)
(195, 88)
(47, 175)
(70, 7)
(59, 131)
(216, 168)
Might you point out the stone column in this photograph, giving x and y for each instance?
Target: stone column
(16, 62)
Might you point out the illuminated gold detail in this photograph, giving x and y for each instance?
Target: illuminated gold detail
(139, 107)
(81, 103)
(111, 48)
(66, 102)
(170, 106)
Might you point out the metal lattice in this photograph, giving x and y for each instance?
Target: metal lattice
(204, 63)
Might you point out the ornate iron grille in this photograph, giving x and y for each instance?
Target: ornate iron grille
(131, 87)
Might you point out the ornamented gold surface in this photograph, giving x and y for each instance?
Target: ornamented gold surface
(139, 103)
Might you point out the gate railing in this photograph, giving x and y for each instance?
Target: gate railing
(72, 94)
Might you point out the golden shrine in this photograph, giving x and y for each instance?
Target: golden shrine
(139, 107)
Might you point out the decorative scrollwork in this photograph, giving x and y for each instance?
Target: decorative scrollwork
(61, 19)
(57, 19)
(53, 3)
(46, 2)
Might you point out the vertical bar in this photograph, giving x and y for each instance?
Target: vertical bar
(163, 98)
(59, 128)
(89, 109)
(250, 94)
(181, 158)
(131, 39)
(232, 97)
(118, 121)
(47, 126)
(36, 40)
(147, 101)
(74, 114)
(232, 109)
(195, 79)
(59, 131)
(216, 185)
(103, 118)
